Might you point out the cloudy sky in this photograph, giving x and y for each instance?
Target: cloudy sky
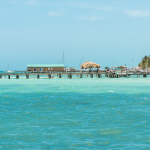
(111, 33)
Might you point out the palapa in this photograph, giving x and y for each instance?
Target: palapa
(90, 64)
(121, 66)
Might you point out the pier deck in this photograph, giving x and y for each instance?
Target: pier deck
(79, 74)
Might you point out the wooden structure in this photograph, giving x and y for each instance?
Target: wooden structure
(45, 67)
(90, 65)
(121, 68)
(71, 74)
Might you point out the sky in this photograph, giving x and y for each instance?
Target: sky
(110, 33)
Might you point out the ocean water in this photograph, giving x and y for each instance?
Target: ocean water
(75, 114)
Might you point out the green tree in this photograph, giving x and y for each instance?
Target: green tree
(106, 67)
(145, 61)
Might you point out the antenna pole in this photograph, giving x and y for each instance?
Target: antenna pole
(63, 57)
(80, 62)
(8, 67)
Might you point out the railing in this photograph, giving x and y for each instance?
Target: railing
(27, 72)
(74, 72)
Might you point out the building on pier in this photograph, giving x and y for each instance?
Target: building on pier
(45, 67)
(121, 70)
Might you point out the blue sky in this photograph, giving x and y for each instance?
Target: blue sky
(109, 33)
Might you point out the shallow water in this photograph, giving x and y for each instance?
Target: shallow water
(74, 113)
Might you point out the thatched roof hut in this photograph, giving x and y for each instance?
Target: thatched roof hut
(121, 67)
(90, 64)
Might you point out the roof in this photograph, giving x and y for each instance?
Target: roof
(121, 67)
(90, 64)
(45, 65)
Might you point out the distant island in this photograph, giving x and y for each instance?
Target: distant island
(145, 63)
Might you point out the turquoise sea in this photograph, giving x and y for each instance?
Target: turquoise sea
(75, 114)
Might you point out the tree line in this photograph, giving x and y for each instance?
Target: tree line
(145, 62)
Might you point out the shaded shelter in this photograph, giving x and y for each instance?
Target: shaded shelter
(122, 67)
(89, 65)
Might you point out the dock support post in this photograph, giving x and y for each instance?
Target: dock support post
(91, 75)
(0, 76)
(144, 75)
(38, 76)
(8, 76)
(137, 75)
(87, 75)
(59, 75)
(17, 76)
(49, 75)
(99, 75)
(80, 75)
(27, 76)
(70, 76)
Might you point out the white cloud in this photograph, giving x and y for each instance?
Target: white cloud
(51, 14)
(101, 8)
(12, 2)
(86, 5)
(89, 18)
(31, 2)
(138, 13)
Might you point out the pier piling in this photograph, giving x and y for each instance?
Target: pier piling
(99, 75)
(110, 75)
(49, 75)
(59, 75)
(70, 76)
(0, 76)
(27, 76)
(38, 76)
(8, 76)
(91, 75)
(80, 75)
(17, 76)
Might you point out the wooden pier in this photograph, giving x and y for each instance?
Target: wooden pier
(70, 74)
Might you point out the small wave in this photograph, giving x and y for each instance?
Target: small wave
(110, 91)
(110, 131)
